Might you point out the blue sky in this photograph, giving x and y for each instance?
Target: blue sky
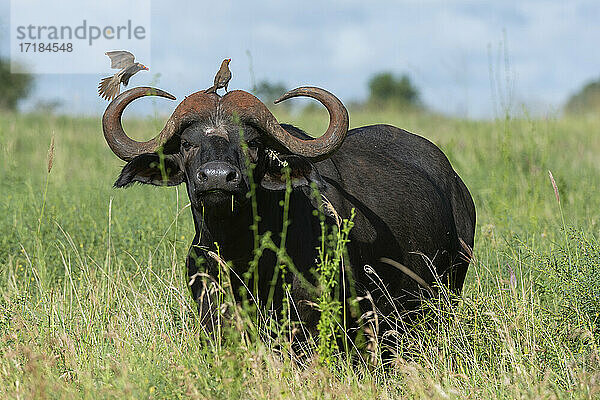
(449, 48)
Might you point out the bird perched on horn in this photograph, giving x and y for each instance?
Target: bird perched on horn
(110, 87)
(222, 77)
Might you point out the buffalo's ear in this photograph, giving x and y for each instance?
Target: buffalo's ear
(147, 168)
(302, 173)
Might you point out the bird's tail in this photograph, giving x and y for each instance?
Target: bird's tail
(211, 89)
(109, 87)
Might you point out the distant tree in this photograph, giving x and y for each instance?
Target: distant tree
(385, 87)
(268, 92)
(50, 106)
(587, 99)
(13, 87)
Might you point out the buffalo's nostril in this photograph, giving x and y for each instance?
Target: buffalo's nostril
(202, 177)
(232, 176)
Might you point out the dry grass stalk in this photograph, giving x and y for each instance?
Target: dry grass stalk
(554, 186)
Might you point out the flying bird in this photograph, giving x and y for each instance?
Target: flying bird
(222, 77)
(109, 87)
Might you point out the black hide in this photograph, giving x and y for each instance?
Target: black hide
(410, 204)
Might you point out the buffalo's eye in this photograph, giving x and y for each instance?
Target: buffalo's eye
(253, 146)
(254, 143)
(186, 145)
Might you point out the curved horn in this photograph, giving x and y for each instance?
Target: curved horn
(253, 110)
(122, 145)
(334, 136)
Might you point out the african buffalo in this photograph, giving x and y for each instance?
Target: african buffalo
(410, 204)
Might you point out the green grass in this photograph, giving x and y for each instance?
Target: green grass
(96, 305)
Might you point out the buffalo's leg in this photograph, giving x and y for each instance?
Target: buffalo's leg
(205, 291)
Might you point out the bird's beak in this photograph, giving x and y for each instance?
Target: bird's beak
(146, 68)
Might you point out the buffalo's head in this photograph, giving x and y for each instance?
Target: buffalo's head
(208, 141)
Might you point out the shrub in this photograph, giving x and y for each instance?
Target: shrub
(14, 87)
(385, 87)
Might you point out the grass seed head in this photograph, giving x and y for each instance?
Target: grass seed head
(51, 154)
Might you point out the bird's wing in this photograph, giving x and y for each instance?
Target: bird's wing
(120, 59)
(109, 87)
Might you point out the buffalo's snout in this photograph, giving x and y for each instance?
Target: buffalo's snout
(218, 175)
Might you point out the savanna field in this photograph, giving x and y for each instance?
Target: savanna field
(94, 300)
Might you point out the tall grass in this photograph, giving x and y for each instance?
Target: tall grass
(97, 305)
